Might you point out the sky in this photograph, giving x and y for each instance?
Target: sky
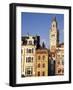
(39, 24)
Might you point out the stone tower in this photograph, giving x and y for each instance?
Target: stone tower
(54, 36)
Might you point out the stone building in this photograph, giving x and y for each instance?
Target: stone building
(42, 61)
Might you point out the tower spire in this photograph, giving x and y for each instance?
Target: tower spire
(54, 19)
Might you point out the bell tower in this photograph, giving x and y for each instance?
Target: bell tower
(54, 35)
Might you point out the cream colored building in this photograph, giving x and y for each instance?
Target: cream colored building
(28, 57)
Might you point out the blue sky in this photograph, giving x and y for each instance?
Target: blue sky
(40, 24)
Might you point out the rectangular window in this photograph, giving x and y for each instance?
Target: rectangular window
(39, 65)
(53, 35)
(29, 71)
(38, 73)
(43, 57)
(29, 59)
(43, 73)
(30, 50)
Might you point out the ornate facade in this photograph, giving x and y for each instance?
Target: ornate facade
(29, 45)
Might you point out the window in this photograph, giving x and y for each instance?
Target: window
(43, 73)
(39, 65)
(38, 73)
(29, 59)
(30, 42)
(38, 57)
(53, 25)
(26, 59)
(59, 71)
(30, 50)
(32, 59)
(28, 71)
(63, 56)
(43, 65)
(43, 57)
(52, 35)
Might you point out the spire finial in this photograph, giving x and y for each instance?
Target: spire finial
(54, 18)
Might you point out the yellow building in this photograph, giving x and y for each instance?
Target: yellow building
(42, 62)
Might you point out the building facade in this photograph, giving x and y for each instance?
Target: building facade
(42, 62)
(60, 60)
(29, 45)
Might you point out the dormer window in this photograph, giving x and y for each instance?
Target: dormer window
(30, 42)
